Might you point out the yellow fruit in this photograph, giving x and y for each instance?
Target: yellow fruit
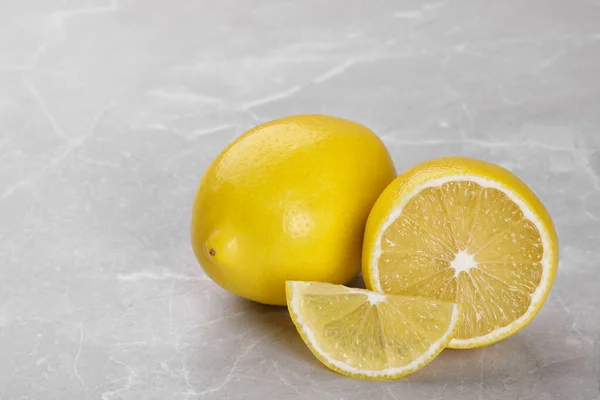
(288, 200)
(370, 335)
(464, 230)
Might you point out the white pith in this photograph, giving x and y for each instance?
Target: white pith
(536, 297)
(375, 298)
(392, 371)
(463, 262)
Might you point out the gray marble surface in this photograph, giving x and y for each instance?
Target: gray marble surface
(111, 111)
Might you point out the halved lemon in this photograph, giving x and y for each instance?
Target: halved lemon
(464, 230)
(370, 335)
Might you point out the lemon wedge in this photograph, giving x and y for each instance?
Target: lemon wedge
(465, 231)
(370, 335)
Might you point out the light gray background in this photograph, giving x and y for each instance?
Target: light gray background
(110, 112)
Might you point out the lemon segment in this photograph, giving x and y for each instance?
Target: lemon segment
(463, 230)
(370, 335)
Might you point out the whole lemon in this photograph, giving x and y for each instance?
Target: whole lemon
(288, 200)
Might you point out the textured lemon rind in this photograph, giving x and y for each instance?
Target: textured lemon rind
(294, 294)
(548, 272)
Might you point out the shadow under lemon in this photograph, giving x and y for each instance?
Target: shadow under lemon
(271, 331)
(274, 325)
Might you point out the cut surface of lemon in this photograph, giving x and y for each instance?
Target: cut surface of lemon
(370, 335)
(466, 231)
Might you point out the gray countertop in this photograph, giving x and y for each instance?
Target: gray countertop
(110, 113)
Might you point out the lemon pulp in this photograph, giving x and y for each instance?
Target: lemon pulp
(475, 239)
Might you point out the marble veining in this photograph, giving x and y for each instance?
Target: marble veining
(111, 110)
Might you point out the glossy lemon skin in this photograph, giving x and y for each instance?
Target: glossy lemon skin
(407, 181)
(288, 200)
